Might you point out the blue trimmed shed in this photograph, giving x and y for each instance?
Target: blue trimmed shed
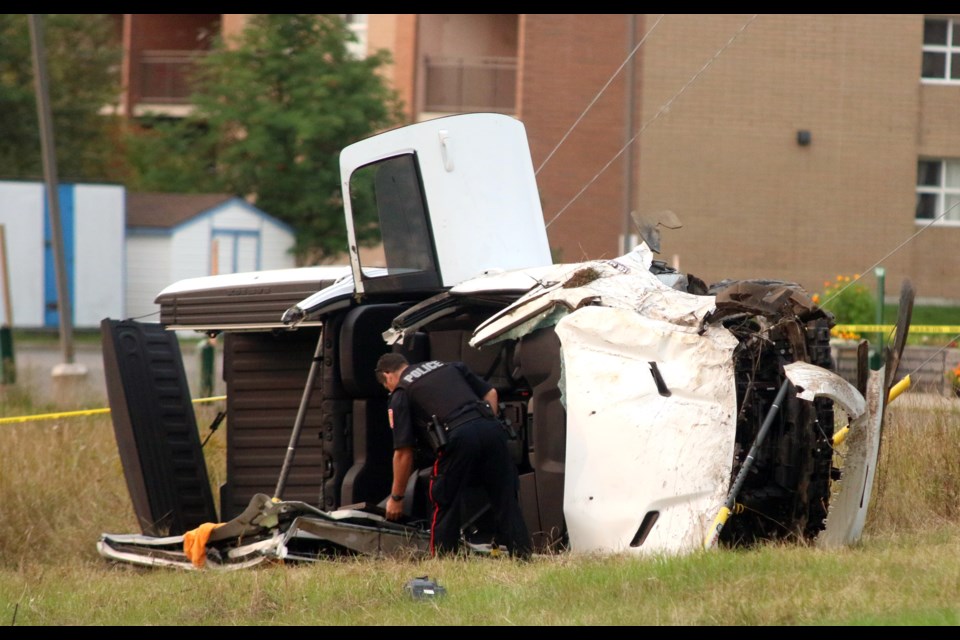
(172, 236)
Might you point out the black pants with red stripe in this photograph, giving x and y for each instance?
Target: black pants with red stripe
(476, 453)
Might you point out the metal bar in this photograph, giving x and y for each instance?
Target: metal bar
(301, 414)
(721, 518)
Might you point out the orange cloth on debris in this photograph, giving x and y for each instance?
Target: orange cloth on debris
(195, 543)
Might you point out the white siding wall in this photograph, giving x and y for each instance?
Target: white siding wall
(275, 244)
(229, 225)
(148, 272)
(248, 253)
(98, 268)
(21, 214)
(234, 217)
(190, 250)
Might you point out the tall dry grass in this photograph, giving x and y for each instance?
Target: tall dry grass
(62, 482)
(917, 486)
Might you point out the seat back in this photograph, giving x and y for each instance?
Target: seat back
(370, 452)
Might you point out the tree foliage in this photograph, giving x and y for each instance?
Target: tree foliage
(83, 61)
(273, 109)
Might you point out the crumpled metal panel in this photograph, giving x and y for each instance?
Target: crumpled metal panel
(848, 507)
(625, 282)
(816, 381)
(372, 539)
(311, 537)
(772, 299)
(632, 451)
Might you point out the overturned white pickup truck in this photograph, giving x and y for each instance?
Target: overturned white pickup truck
(652, 413)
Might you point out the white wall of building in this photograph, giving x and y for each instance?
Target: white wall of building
(97, 220)
(148, 272)
(98, 270)
(21, 214)
(190, 250)
(276, 241)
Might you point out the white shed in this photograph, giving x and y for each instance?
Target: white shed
(171, 237)
(92, 222)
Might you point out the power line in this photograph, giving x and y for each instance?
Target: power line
(663, 109)
(935, 354)
(897, 248)
(597, 97)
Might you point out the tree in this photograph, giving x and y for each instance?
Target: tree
(273, 109)
(83, 58)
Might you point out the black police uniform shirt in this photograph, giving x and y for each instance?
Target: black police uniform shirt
(429, 389)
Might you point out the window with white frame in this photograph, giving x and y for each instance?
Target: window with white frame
(941, 50)
(357, 23)
(938, 191)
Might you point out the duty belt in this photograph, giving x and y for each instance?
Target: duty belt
(437, 430)
(462, 418)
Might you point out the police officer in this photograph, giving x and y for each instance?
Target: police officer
(455, 410)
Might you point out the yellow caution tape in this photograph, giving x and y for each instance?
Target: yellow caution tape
(82, 412)
(883, 328)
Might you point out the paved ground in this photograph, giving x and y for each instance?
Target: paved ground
(35, 365)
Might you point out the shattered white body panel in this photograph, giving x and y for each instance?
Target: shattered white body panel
(632, 451)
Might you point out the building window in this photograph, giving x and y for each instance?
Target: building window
(463, 84)
(938, 191)
(941, 50)
(357, 23)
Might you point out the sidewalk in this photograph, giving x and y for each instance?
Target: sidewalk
(35, 364)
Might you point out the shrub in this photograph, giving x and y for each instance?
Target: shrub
(953, 377)
(849, 302)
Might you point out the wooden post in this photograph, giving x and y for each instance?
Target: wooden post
(8, 367)
(47, 147)
(7, 305)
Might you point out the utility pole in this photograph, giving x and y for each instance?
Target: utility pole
(64, 308)
(630, 111)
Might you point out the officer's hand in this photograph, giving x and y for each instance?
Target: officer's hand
(394, 509)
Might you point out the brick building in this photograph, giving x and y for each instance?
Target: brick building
(791, 147)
